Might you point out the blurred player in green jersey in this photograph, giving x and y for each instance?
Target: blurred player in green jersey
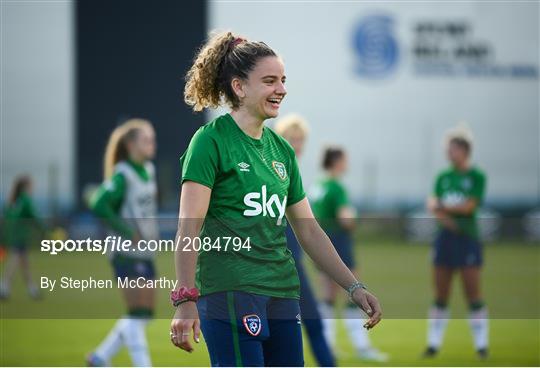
(127, 202)
(337, 217)
(294, 129)
(20, 219)
(458, 192)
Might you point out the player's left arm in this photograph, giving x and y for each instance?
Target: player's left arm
(318, 246)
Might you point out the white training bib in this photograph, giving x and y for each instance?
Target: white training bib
(139, 206)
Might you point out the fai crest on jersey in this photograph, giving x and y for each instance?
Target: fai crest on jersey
(253, 324)
(280, 169)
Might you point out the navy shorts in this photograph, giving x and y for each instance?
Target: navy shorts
(343, 243)
(133, 268)
(455, 250)
(244, 329)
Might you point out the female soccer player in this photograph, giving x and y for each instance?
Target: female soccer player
(19, 216)
(294, 129)
(458, 192)
(337, 217)
(127, 201)
(239, 180)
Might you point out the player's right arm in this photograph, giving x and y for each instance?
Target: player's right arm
(194, 201)
(199, 170)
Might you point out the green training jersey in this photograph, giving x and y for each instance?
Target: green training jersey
(453, 187)
(327, 196)
(20, 219)
(252, 182)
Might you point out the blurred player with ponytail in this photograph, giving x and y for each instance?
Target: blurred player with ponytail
(127, 202)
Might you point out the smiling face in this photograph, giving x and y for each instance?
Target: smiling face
(261, 94)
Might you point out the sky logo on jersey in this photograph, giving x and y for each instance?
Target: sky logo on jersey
(253, 324)
(243, 166)
(266, 206)
(452, 199)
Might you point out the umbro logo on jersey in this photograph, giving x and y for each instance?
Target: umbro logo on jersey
(243, 166)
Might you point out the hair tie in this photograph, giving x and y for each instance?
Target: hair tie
(236, 42)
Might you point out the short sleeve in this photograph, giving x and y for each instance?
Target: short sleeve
(296, 189)
(341, 198)
(200, 161)
(437, 188)
(479, 187)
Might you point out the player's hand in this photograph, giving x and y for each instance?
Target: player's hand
(347, 217)
(433, 205)
(446, 221)
(369, 304)
(185, 320)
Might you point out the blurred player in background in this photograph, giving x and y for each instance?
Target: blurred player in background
(458, 192)
(20, 221)
(337, 216)
(295, 129)
(127, 202)
(239, 180)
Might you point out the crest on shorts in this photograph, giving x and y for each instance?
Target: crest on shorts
(253, 324)
(280, 169)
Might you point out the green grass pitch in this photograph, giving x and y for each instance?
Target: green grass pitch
(399, 274)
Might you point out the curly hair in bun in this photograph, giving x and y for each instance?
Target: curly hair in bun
(223, 57)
